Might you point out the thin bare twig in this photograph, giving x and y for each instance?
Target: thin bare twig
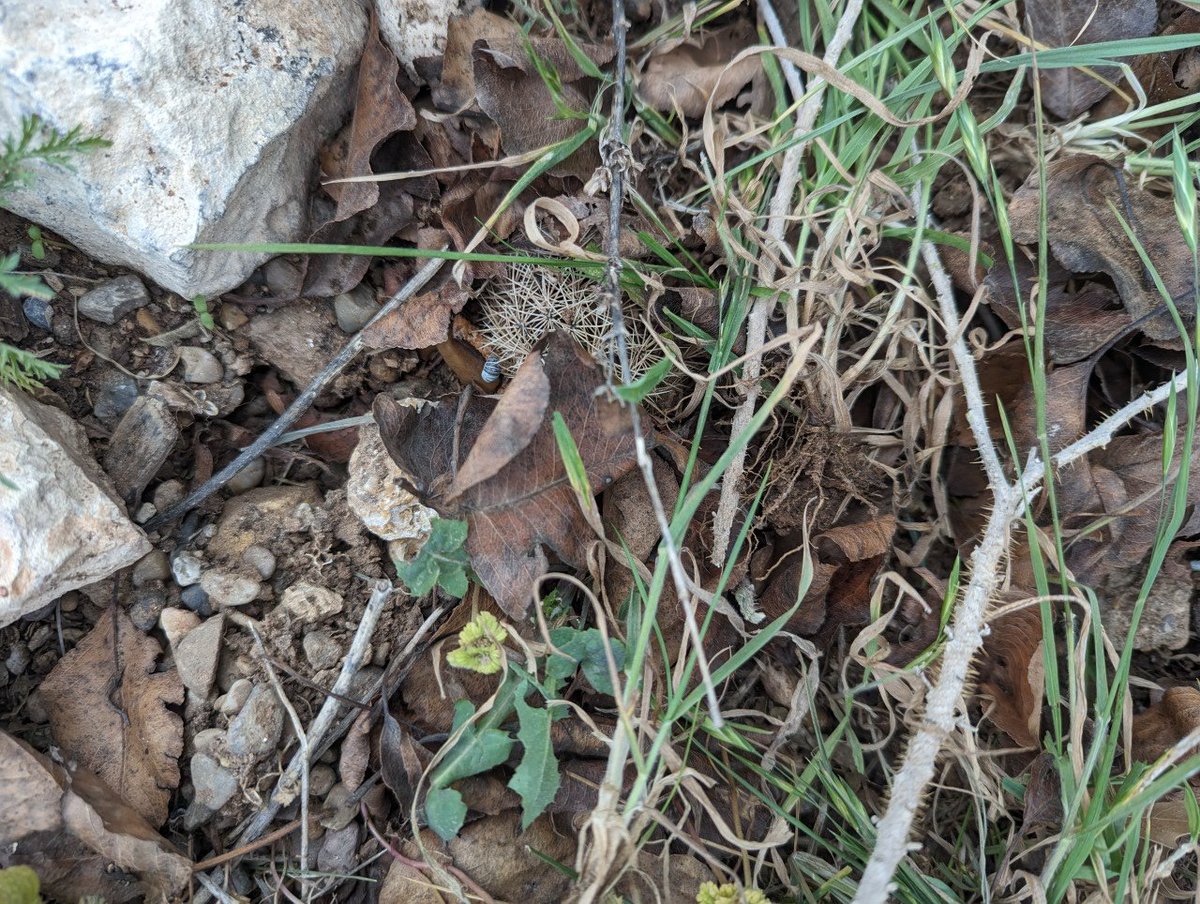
(301, 737)
(756, 323)
(300, 405)
(966, 636)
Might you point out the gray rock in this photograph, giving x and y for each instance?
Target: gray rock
(39, 312)
(210, 741)
(140, 445)
(148, 604)
(354, 309)
(255, 731)
(196, 599)
(215, 110)
(114, 394)
(18, 658)
(298, 340)
(228, 589)
(261, 559)
(167, 493)
(307, 603)
(62, 525)
(321, 779)
(154, 566)
(110, 301)
(233, 701)
(321, 650)
(338, 847)
(197, 654)
(200, 365)
(214, 785)
(187, 568)
(283, 277)
(248, 477)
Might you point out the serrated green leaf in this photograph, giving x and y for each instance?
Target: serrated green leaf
(445, 812)
(537, 778)
(478, 750)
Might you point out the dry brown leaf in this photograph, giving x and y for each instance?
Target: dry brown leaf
(108, 712)
(1012, 675)
(685, 76)
(79, 836)
(1067, 92)
(527, 504)
(379, 139)
(1160, 727)
(457, 90)
(422, 322)
(381, 110)
(1086, 200)
(500, 857)
(513, 93)
(401, 760)
(1043, 796)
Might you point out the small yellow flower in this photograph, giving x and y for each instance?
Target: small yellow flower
(728, 893)
(479, 645)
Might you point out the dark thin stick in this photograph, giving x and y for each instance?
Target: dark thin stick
(617, 157)
(300, 405)
(219, 859)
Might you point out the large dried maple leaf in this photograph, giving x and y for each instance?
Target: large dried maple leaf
(511, 486)
(108, 712)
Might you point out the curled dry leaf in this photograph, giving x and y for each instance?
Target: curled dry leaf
(1013, 677)
(79, 836)
(1163, 725)
(526, 503)
(1086, 201)
(1067, 92)
(685, 76)
(108, 712)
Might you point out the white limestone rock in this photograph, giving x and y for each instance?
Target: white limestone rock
(215, 110)
(61, 523)
(417, 28)
(377, 497)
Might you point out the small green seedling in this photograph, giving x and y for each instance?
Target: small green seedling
(37, 244)
(200, 303)
(441, 562)
(480, 645)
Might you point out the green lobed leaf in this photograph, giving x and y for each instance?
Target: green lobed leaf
(584, 649)
(419, 575)
(477, 750)
(445, 812)
(537, 778)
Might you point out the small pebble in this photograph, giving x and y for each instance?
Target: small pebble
(167, 493)
(261, 559)
(39, 312)
(110, 301)
(196, 599)
(214, 785)
(145, 512)
(320, 780)
(39, 637)
(208, 740)
(115, 393)
(225, 589)
(283, 277)
(19, 658)
(248, 477)
(355, 308)
(187, 569)
(200, 365)
(176, 623)
(35, 709)
(197, 654)
(154, 566)
(231, 317)
(147, 607)
(321, 650)
(308, 603)
(256, 730)
(231, 704)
